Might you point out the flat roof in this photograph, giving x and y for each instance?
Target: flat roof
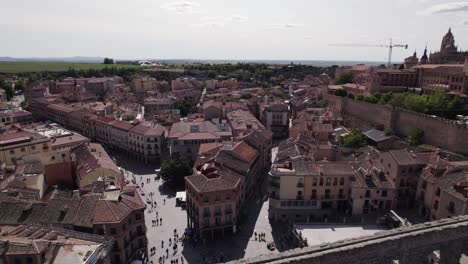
(317, 234)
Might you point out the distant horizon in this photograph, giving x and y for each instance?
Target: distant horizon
(90, 59)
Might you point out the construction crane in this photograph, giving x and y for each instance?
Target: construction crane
(390, 47)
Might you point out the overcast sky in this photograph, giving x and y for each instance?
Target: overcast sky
(227, 29)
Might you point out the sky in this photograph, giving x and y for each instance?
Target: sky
(228, 29)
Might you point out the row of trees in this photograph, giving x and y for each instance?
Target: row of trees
(434, 103)
(261, 74)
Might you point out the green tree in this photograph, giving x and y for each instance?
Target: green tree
(346, 77)
(351, 96)
(246, 96)
(415, 136)
(185, 107)
(108, 61)
(8, 89)
(355, 139)
(341, 92)
(174, 170)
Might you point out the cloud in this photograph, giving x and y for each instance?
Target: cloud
(237, 18)
(286, 25)
(217, 22)
(181, 7)
(445, 8)
(210, 24)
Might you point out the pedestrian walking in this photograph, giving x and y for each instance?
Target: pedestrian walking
(160, 221)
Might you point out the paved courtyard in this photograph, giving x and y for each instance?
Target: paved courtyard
(241, 245)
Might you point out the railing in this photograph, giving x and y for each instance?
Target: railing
(300, 184)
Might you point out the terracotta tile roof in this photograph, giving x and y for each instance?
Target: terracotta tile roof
(115, 211)
(153, 130)
(245, 152)
(121, 125)
(199, 130)
(225, 179)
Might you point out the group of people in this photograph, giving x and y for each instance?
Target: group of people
(174, 243)
(261, 237)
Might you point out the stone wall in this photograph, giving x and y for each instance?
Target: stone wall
(408, 245)
(439, 132)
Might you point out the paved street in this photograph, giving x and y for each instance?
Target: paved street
(241, 245)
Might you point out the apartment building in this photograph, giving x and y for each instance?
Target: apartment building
(214, 197)
(306, 191)
(442, 189)
(16, 142)
(275, 117)
(242, 120)
(20, 245)
(100, 209)
(141, 85)
(184, 138)
(147, 142)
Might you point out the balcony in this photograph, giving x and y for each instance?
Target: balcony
(328, 197)
(300, 185)
(217, 213)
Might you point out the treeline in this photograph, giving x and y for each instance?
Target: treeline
(125, 73)
(263, 75)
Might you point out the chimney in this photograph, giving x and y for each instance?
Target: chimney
(465, 68)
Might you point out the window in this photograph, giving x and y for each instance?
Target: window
(228, 209)
(137, 217)
(117, 258)
(341, 181)
(314, 194)
(438, 192)
(436, 205)
(33, 147)
(217, 197)
(321, 182)
(228, 196)
(328, 182)
(335, 181)
(12, 152)
(314, 182)
(367, 193)
(23, 149)
(451, 207)
(384, 193)
(113, 231)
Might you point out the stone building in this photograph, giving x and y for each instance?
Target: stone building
(99, 209)
(147, 142)
(34, 244)
(445, 78)
(449, 53)
(17, 142)
(185, 138)
(224, 175)
(275, 117)
(442, 189)
(306, 191)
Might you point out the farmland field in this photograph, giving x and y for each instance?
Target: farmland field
(19, 67)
